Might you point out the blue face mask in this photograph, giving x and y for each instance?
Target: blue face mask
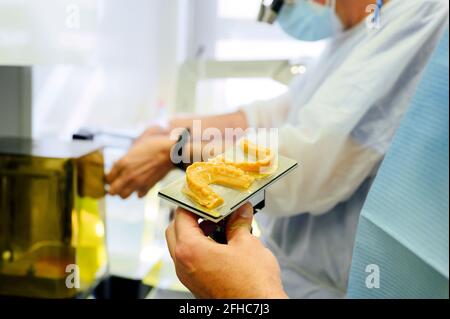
(309, 21)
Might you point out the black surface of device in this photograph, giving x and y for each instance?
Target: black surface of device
(217, 231)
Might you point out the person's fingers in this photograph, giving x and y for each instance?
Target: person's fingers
(135, 183)
(118, 179)
(148, 182)
(186, 225)
(147, 185)
(240, 223)
(118, 185)
(114, 173)
(126, 192)
(143, 191)
(171, 239)
(129, 178)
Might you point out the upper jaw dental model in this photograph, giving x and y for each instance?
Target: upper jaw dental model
(264, 158)
(238, 175)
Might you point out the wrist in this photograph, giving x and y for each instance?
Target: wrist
(180, 122)
(166, 145)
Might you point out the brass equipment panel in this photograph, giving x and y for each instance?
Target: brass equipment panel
(52, 221)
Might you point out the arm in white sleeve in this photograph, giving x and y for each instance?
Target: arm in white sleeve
(270, 113)
(345, 129)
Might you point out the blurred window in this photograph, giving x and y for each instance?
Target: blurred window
(236, 35)
(128, 78)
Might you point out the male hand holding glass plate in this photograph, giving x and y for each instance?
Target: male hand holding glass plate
(234, 198)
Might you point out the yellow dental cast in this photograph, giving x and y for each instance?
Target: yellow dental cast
(226, 173)
(200, 175)
(264, 157)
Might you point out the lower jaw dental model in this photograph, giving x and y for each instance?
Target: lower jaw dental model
(238, 175)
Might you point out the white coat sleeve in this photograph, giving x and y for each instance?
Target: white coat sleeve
(270, 113)
(345, 129)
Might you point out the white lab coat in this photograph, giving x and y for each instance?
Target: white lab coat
(338, 121)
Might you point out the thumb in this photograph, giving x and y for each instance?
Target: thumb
(240, 223)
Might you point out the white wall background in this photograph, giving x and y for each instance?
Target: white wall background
(121, 85)
(131, 74)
